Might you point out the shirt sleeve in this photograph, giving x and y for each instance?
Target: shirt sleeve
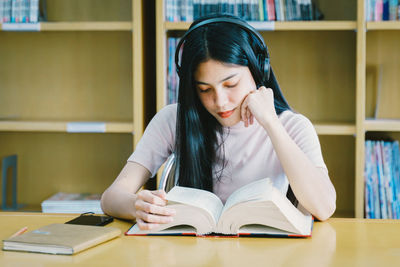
(158, 140)
(304, 135)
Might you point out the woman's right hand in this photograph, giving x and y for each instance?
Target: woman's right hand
(151, 210)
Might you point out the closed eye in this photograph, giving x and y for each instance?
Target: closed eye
(231, 85)
(204, 90)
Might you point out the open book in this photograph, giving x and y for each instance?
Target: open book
(254, 209)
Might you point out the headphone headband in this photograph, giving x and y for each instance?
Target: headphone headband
(247, 27)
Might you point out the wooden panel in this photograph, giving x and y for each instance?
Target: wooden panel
(86, 26)
(382, 125)
(316, 72)
(89, 10)
(383, 25)
(335, 129)
(337, 9)
(66, 76)
(360, 110)
(383, 57)
(339, 155)
(48, 163)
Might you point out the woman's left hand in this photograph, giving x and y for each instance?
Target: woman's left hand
(258, 104)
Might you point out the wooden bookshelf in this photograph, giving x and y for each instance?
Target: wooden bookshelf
(382, 125)
(85, 64)
(77, 26)
(282, 26)
(328, 80)
(335, 129)
(383, 25)
(57, 126)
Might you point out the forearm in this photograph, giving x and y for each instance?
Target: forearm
(311, 185)
(118, 202)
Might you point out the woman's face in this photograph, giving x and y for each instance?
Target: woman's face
(222, 88)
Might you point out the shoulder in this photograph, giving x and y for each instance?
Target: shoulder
(297, 125)
(290, 118)
(166, 115)
(168, 111)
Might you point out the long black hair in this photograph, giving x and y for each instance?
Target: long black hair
(196, 129)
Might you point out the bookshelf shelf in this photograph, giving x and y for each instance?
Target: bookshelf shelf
(382, 125)
(335, 128)
(58, 126)
(87, 26)
(383, 25)
(83, 26)
(82, 75)
(281, 26)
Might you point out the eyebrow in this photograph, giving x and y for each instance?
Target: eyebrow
(223, 80)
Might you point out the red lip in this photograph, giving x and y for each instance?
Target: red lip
(226, 114)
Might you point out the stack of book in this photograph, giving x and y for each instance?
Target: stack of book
(380, 10)
(382, 180)
(172, 76)
(253, 10)
(72, 203)
(19, 11)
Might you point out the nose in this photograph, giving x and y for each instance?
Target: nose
(220, 98)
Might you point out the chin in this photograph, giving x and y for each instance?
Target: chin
(229, 123)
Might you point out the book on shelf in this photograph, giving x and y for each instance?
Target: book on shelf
(72, 203)
(19, 11)
(65, 239)
(252, 10)
(382, 10)
(256, 209)
(382, 180)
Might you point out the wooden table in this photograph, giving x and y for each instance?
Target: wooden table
(337, 242)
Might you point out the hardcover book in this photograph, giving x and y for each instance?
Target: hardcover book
(58, 238)
(256, 209)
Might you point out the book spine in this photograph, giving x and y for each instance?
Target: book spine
(265, 10)
(261, 10)
(277, 10)
(2, 2)
(377, 208)
(393, 9)
(34, 11)
(385, 10)
(231, 7)
(196, 9)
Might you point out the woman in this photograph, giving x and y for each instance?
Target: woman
(231, 126)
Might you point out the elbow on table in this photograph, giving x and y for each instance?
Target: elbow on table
(103, 202)
(327, 212)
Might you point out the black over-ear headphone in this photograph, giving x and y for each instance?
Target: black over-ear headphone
(261, 55)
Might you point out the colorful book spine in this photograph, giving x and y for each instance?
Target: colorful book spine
(255, 10)
(382, 180)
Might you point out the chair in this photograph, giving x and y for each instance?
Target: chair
(168, 178)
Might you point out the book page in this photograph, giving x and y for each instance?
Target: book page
(198, 198)
(253, 191)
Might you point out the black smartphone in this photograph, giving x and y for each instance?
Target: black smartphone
(90, 219)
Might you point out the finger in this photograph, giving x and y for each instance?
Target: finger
(248, 114)
(243, 110)
(154, 209)
(160, 193)
(251, 119)
(152, 218)
(144, 225)
(149, 197)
